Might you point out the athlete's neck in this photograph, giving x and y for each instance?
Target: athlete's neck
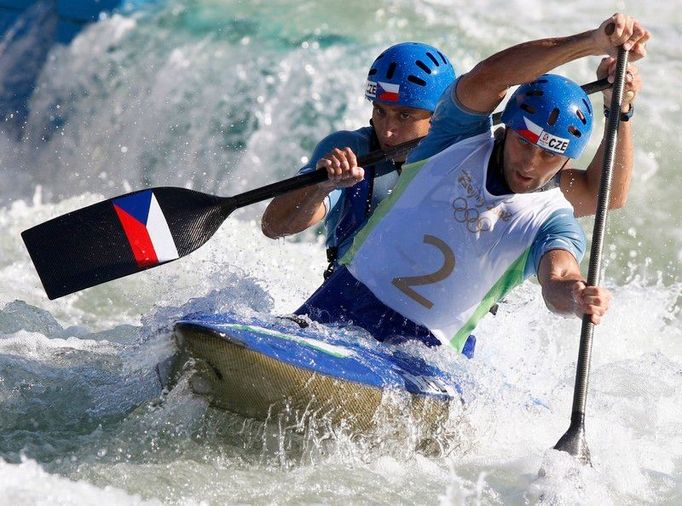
(496, 182)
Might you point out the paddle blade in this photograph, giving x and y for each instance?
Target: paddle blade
(575, 443)
(122, 236)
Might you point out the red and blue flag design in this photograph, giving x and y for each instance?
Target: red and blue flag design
(532, 131)
(388, 92)
(146, 229)
(537, 135)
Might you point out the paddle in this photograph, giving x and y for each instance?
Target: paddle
(143, 229)
(140, 230)
(573, 441)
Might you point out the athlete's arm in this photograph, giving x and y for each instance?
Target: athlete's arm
(295, 211)
(450, 123)
(554, 255)
(564, 289)
(580, 187)
(484, 87)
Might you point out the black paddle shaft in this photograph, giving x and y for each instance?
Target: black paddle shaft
(573, 441)
(314, 177)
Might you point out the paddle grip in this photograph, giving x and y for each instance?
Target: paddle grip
(314, 177)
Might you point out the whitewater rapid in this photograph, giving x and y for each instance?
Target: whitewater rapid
(226, 96)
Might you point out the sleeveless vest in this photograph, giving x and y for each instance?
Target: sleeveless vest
(441, 250)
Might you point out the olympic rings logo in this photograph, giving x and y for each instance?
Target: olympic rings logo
(470, 216)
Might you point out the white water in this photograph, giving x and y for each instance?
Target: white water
(222, 97)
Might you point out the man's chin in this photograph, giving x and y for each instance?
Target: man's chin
(528, 188)
(519, 184)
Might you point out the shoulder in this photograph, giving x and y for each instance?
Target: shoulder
(450, 106)
(562, 222)
(358, 140)
(451, 123)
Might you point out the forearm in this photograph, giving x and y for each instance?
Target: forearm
(622, 169)
(559, 274)
(484, 87)
(558, 295)
(294, 212)
(527, 61)
(581, 187)
(564, 290)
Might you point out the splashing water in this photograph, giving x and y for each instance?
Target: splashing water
(226, 96)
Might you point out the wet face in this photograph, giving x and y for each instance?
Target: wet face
(528, 167)
(395, 124)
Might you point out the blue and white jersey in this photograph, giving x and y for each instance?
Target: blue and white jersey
(452, 123)
(442, 249)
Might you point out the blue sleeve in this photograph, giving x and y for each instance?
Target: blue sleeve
(357, 140)
(451, 122)
(560, 231)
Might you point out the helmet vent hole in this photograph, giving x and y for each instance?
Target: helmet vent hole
(442, 57)
(528, 108)
(535, 93)
(581, 116)
(372, 71)
(390, 71)
(588, 106)
(574, 131)
(554, 115)
(433, 59)
(416, 80)
(423, 66)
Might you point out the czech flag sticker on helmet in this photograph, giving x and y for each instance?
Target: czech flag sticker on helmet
(146, 228)
(388, 92)
(535, 134)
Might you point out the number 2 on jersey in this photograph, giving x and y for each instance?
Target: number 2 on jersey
(405, 284)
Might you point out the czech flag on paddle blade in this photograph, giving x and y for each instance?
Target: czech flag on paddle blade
(146, 229)
(388, 92)
(532, 131)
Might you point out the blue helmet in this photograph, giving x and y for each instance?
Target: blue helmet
(411, 74)
(553, 113)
